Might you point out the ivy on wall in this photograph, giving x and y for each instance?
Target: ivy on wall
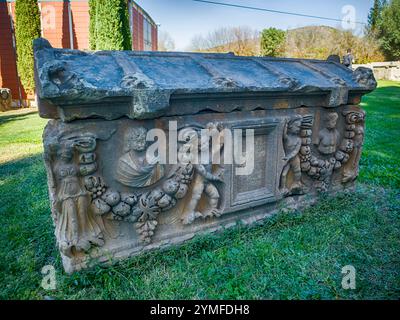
(109, 25)
(27, 28)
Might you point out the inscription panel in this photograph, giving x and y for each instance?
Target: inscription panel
(260, 186)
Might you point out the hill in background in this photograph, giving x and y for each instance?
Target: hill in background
(318, 42)
(312, 42)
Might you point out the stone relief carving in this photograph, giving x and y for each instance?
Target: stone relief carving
(133, 169)
(328, 136)
(160, 199)
(225, 82)
(142, 207)
(84, 201)
(289, 81)
(70, 160)
(333, 153)
(136, 81)
(205, 178)
(77, 229)
(317, 167)
(86, 204)
(83, 198)
(364, 77)
(60, 76)
(355, 120)
(292, 143)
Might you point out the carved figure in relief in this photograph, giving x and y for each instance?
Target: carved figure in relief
(355, 129)
(204, 179)
(292, 144)
(133, 169)
(346, 152)
(328, 137)
(76, 228)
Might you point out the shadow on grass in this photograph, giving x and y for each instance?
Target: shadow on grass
(26, 231)
(5, 118)
(14, 167)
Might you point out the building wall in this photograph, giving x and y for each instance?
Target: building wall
(138, 17)
(58, 19)
(55, 23)
(8, 67)
(61, 19)
(80, 24)
(154, 31)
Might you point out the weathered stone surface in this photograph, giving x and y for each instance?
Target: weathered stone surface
(110, 201)
(388, 70)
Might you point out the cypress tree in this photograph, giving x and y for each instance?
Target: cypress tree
(375, 15)
(109, 25)
(92, 24)
(389, 30)
(27, 28)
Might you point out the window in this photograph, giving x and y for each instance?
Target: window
(147, 34)
(131, 15)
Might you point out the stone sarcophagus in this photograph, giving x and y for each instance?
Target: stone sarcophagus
(147, 149)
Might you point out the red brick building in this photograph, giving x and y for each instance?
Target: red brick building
(65, 23)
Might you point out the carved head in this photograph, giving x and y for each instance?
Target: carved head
(331, 120)
(365, 77)
(354, 116)
(135, 139)
(294, 124)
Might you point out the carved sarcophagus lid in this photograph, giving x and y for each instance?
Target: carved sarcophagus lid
(147, 149)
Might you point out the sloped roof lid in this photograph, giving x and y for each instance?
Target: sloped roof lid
(66, 77)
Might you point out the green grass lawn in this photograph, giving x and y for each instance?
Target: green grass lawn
(297, 255)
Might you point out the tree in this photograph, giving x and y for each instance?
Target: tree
(389, 30)
(374, 15)
(27, 28)
(272, 42)
(165, 41)
(241, 41)
(92, 24)
(109, 25)
(319, 42)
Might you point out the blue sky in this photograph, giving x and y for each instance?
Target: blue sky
(183, 19)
